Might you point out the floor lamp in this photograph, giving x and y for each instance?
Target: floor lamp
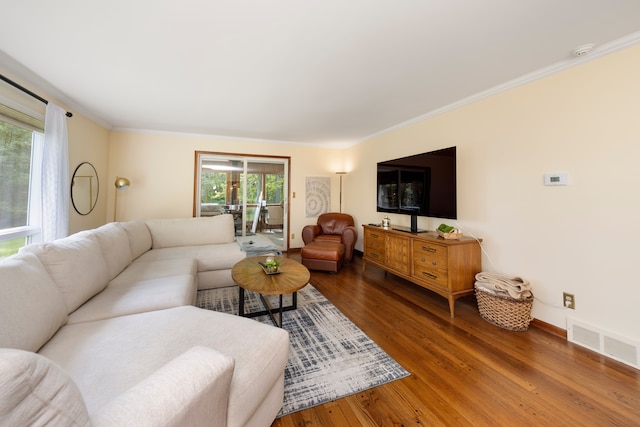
(121, 184)
(341, 173)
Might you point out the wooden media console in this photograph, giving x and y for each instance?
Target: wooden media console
(447, 267)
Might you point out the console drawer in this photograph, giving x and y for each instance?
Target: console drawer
(374, 245)
(430, 262)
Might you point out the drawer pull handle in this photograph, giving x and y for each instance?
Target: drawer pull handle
(434, 263)
(429, 275)
(422, 259)
(428, 249)
(375, 236)
(374, 255)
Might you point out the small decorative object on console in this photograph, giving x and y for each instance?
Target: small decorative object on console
(386, 222)
(448, 232)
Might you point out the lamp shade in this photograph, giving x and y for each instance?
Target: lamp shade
(122, 183)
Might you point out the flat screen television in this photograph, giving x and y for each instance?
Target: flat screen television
(419, 185)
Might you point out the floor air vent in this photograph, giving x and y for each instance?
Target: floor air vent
(604, 342)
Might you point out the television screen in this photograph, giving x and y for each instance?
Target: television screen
(419, 185)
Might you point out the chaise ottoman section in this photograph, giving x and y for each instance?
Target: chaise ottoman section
(129, 349)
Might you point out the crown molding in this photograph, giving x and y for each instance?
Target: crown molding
(229, 138)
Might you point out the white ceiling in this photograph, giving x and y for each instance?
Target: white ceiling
(323, 71)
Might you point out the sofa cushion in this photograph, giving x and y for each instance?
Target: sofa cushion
(138, 297)
(114, 243)
(209, 257)
(76, 265)
(130, 348)
(167, 233)
(139, 237)
(37, 392)
(161, 269)
(32, 308)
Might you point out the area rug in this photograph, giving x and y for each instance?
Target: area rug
(329, 358)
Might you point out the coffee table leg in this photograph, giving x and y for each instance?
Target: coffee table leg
(241, 302)
(270, 311)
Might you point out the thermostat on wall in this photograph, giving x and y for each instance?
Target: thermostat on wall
(556, 178)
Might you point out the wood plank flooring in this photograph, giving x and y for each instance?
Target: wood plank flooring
(466, 371)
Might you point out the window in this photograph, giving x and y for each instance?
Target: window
(252, 188)
(274, 183)
(20, 136)
(214, 187)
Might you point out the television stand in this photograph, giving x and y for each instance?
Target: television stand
(408, 230)
(414, 223)
(446, 267)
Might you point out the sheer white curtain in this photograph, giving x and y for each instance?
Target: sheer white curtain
(55, 175)
(35, 186)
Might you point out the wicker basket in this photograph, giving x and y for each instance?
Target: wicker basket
(454, 235)
(503, 311)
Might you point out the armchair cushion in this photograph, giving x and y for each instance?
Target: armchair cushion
(335, 223)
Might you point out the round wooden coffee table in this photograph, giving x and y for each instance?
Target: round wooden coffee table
(249, 275)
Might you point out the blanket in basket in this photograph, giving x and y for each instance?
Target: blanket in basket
(501, 284)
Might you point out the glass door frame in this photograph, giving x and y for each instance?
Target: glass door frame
(245, 159)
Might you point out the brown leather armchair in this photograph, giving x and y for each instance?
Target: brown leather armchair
(333, 227)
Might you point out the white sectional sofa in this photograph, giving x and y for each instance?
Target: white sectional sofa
(99, 328)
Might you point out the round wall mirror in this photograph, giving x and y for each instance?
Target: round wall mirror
(84, 188)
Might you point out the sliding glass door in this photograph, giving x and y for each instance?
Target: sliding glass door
(251, 188)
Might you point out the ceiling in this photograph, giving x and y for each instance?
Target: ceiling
(318, 72)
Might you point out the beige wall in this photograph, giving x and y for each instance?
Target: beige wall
(161, 170)
(88, 142)
(579, 238)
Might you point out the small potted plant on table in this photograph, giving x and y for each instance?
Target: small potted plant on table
(271, 265)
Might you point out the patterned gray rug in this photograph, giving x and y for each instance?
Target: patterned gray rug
(330, 357)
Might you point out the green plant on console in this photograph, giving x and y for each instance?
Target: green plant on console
(446, 228)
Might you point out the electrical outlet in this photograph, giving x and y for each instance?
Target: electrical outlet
(569, 300)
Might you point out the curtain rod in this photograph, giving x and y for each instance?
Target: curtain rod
(27, 91)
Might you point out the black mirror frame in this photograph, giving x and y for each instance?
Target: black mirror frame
(95, 199)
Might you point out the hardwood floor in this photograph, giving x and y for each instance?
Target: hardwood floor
(466, 371)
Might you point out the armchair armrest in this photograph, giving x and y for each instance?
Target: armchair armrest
(349, 237)
(192, 389)
(309, 232)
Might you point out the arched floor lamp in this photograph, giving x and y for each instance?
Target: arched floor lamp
(121, 184)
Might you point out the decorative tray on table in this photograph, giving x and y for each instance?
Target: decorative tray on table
(269, 270)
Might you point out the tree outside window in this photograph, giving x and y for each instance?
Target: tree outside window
(15, 173)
